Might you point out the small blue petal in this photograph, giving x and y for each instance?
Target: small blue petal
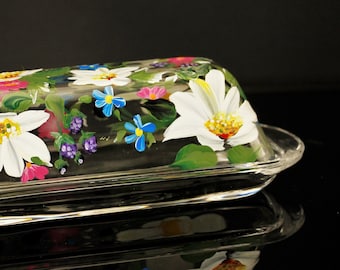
(98, 95)
(140, 143)
(131, 138)
(107, 110)
(100, 103)
(119, 102)
(138, 121)
(130, 127)
(108, 90)
(149, 127)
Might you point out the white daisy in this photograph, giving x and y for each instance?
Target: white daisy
(214, 117)
(103, 76)
(17, 144)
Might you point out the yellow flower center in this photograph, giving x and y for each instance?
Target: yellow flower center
(9, 75)
(107, 76)
(108, 99)
(224, 125)
(28, 165)
(152, 96)
(138, 132)
(9, 128)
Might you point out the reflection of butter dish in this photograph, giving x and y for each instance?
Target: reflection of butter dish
(174, 226)
(239, 260)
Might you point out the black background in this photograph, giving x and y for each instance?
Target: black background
(285, 54)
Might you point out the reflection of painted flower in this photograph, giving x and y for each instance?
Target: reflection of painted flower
(211, 115)
(12, 85)
(152, 93)
(15, 75)
(53, 124)
(137, 131)
(103, 76)
(239, 260)
(18, 144)
(32, 171)
(181, 61)
(107, 100)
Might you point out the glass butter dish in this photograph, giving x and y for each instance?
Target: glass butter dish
(140, 134)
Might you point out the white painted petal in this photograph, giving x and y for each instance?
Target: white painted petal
(28, 145)
(120, 81)
(2, 156)
(100, 82)
(13, 163)
(247, 134)
(205, 96)
(124, 70)
(82, 73)
(211, 140)
(247, 112)
(182, 127)
(187, 105)
(215, 78)
(232, 100)
(7, 115)
(32, 119)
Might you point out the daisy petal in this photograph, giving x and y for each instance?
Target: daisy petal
(28, 145)
(13, 163)
(32, 119)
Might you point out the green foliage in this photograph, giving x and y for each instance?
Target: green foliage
(17, 102)
(193, 156)
(241, 154)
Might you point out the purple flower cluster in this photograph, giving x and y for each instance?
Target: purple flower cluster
(90, 144)
(76, 125)
(68, 150)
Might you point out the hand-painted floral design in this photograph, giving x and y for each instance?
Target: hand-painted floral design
(33, 171)
(50, 118)
(103, 76)
(152, 93)
(15, 75)
(53, 124)
(214, 117)
(107, 100)
(17, 144)
(181, 61)
(138, 131)
(13, 85)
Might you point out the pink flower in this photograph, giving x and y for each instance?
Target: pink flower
(152, 93)
(32, 171)
(181, 61)
(12, 85)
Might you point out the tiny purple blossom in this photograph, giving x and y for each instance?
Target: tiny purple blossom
(68, 150)
(90, 144)
(76, 125)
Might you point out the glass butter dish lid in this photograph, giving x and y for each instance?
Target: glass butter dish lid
(154, 131)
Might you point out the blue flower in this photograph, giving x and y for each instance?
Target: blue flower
(107, 100)
(137, 131)
(90, 67)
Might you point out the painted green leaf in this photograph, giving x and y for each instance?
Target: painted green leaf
(55, 104)
(37, 160)
(241, 154)
(142, 76)
(17, 102)
(38, 79)
(193, 156)
(86, 99)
